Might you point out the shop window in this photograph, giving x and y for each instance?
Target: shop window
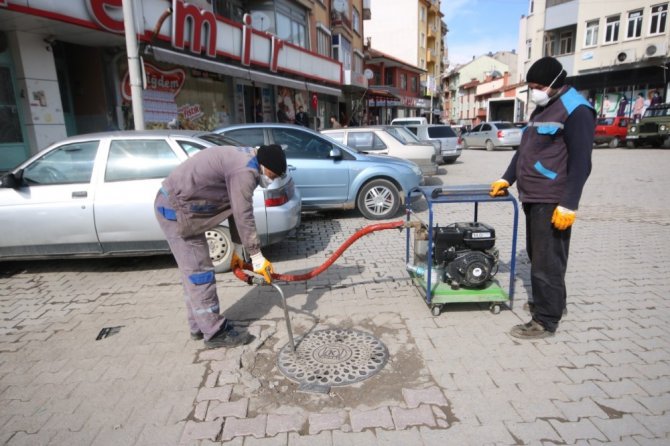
(591, 38)
(659, 15)
(612, 29)
(634, 29)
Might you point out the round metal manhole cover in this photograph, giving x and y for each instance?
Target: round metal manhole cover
(333, 358)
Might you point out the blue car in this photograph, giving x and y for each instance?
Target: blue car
(331, 175)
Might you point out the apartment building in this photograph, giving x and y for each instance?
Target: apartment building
(411, 31)
(612, 50)
(205, 63)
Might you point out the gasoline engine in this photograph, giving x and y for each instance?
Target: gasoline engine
(464, 254)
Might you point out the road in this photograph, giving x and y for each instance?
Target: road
(97, 351)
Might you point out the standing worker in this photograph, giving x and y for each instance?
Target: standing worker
(215, 184)
(550, 167)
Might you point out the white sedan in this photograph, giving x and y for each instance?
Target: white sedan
(92, 196)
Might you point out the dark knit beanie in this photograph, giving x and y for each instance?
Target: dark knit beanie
(545, 70)
(272, 156)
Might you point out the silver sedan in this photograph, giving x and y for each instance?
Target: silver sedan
(92, 195)
(492, 135)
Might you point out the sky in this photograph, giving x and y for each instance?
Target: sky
(477, 27)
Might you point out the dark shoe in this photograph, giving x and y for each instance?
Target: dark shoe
(530, 330)
(228, 336)
(197, 336)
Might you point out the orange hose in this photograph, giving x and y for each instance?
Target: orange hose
(316, 271)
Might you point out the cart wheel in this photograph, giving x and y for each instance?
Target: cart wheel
(495, 308)
(436, 310)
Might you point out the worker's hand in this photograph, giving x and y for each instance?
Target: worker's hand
(563, 218)
(499, 188)
(262, 266)
(236, 261)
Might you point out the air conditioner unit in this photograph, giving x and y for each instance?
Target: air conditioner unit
(656, 49)
(625, 56)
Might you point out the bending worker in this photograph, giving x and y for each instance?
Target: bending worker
(550, 168)
(215, 184)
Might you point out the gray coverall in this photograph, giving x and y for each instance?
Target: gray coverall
(213, 185)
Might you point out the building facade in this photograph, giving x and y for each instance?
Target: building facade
(612, 51)
(411, 31)
(205, 64)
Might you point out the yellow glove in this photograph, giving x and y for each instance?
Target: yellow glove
(563, 218)
(499, 188)
(236, 261)
(262, 266)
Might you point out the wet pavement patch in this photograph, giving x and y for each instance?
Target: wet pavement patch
(332, 357)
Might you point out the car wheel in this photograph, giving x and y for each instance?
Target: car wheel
(489, 145)
(614, 143)
(220, 248)
(378, 200)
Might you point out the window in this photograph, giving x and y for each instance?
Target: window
(422, 42)
(403, 81)
(9, 112)
(356, 20)
(190, 147)
(414, 84)
(72, 163)
(358, 62)
(659, 15)
(612, 29)
(342, 50)
(565, 43)
(591, 38)
(300, 144)
(365, 141)
(291, 23)
(137, 159)
(389, 77)
(323, 42)
(422, 14)
(529, 45)
(634, 24)
(250, 137)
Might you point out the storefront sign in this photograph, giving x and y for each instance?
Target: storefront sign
(160, 80)
(191, 112)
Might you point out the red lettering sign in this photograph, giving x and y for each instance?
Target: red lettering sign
(246, 40)
(199, 21)
(159, 80)
(100, 10)
(277, 45)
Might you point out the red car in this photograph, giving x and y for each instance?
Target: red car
(611, 131)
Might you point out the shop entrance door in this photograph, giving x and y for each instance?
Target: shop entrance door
(13, 146)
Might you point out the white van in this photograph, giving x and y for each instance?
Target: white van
(410, 121)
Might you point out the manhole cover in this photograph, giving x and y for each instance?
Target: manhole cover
(333, 358)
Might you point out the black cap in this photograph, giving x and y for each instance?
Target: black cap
(545, 71)
(272, 156)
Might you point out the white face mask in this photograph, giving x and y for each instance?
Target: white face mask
(264, 181)
(541, 97)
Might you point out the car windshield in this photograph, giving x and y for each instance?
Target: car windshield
(220, 140)
(504, 125)
(605, 121)
(402, 134)
(651, 112)
(441, 131)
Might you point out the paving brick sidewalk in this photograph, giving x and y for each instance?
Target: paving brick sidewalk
(604, 378)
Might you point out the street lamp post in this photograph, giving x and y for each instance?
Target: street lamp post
(134, 71)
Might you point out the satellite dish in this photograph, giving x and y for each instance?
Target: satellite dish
(368, 74)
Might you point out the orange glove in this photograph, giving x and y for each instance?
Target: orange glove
(499, 188)
(563, 218)
(262, 266)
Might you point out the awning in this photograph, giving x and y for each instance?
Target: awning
(380, 93)
(169, 56)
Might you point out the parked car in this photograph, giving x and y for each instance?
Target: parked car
(444, 135)
(410, 120)
(92, 195)
(653, 128)
(331, 175)
(611, 131)
(388, 140)
(492, 135)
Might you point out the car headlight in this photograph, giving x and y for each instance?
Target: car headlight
(633, 129)
(416, 170)
(662, 127)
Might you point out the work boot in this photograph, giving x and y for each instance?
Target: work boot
(530, 330)
(228, 336)
(197, 336)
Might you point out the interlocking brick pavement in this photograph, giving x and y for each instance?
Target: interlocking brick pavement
(603, 379)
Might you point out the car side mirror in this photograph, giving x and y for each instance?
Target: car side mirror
(335, 153)
(12, 180)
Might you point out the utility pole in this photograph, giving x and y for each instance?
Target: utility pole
(134, 71)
